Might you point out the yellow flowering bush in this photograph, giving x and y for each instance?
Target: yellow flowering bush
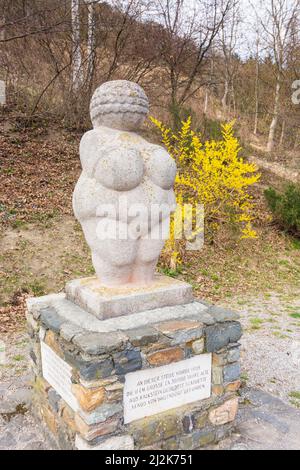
(212, 174)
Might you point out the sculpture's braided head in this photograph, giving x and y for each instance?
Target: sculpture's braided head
(119, 104)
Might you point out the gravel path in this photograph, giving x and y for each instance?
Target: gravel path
(18, 430)
(271, 344)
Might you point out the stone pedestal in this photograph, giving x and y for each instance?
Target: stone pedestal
(165, 378)
(104, 302)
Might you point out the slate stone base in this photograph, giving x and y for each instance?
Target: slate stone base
(101, 353)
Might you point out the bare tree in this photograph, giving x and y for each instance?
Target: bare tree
(229, 37)
(257, 51)
(2, 28)
(211, 81)
(188, 35)
(21, 20)
(77, 72)
(256, 97)
(90, 38)
(279, 17)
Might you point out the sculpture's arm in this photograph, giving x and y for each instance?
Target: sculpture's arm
(90, 146)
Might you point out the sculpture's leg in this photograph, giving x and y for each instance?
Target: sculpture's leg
(114, 258)
(143, 274)
(109, 274)
(146, 260)
(149, 249)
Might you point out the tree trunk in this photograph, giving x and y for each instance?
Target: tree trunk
(256, 96)
(205, 103)
(91, 41)
(207, 90)
(77, 59)
(175, 103)
(282, 133)
(297, 139)
(2, 28)
(233, 99)
(274, 123)
(224, 99)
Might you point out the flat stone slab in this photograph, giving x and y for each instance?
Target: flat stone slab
(73, 318)
(104, 302)
(264, 423)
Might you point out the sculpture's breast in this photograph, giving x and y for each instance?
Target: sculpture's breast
(119, 169)
(159, 166)
(111, 160)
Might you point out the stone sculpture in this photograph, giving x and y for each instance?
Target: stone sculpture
(124, 196)
(98, 349)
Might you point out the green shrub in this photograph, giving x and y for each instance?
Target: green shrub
(286, 207)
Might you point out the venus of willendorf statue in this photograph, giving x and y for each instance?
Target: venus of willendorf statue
(124, 181)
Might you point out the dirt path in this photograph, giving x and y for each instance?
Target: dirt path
(277, 169)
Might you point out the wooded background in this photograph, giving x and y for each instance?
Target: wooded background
(212, 59)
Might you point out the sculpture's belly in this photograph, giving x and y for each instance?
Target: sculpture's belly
(91, 199)
(89, 195)
(153, 195)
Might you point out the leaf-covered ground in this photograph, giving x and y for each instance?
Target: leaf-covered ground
(37, 175)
